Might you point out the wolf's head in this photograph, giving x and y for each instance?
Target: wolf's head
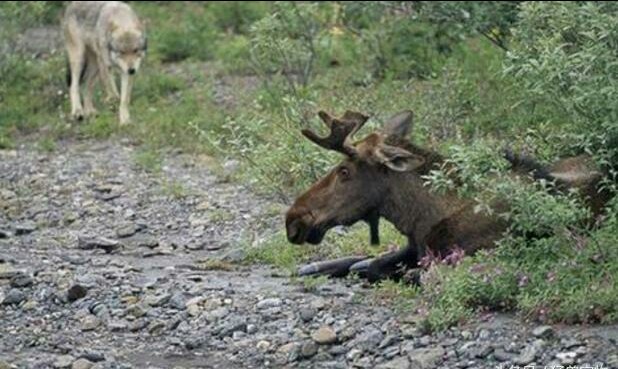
(127, 49)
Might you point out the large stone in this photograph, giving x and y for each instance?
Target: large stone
(14, 297)
(308, 349)
(88, 243)
(24, 228)
(76, 292)
(22, 281)
(63, 361)
(324, 336)
(426, 358)
(82, 364)
(544, 331)
(398, 363)
(269, 303)
(526, 356)
(90, 323)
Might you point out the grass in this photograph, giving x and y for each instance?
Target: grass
(148, 160)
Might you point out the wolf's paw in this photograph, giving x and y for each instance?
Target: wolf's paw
(90, 113)
(77, 115)
(124, 118)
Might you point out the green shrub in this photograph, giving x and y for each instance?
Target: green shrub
(564, 54)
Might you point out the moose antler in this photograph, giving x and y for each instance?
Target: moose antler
(341, 131)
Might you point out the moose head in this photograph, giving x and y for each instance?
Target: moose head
(356, 187)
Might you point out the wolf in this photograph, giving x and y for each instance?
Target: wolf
(101, 36)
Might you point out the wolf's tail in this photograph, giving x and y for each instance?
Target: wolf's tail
(82, 74)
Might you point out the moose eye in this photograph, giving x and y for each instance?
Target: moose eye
(344, 173)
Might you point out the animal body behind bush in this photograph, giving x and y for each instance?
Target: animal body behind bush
(382, 174)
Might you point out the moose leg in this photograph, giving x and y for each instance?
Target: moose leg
(373, 220)
(334, 268)
(389, 265)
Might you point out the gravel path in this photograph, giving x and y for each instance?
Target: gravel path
(105, 265)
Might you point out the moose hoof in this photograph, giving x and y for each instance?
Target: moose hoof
(362, 266)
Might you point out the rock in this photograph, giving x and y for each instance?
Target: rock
(353, 354)
(398, 363)
(544, 331)
(567, 358)
(252, 328)
(570, 342)
(231, 326)
(76, 292)
(424, 341)
(503, 356)
(289, 351)
(126, 230)
(318, 303)
(307, 314)
(82, 364)
(369, 339)
(138, 325)
(324, 336)
(63, 361)
(24, 228)
(155, 328)
(388, 341)
(193, 343)
(90, 323)
(426, 358)
(484, 334)
(193, 310)
(90, 243)
(308, 349)
(391, 352)
(526, 356)
(482, 351)
(263, 345)
(21, 281)
(364, 362)
(136, 310)
(117, 326)
(178, 301)
(14, 297)
(158, 300)
(4, 234)
(269, 303)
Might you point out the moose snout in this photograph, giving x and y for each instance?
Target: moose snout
(298, 224)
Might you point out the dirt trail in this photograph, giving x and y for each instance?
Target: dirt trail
(105, 264)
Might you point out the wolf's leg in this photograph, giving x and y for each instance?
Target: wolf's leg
(125, 97)
(76, 54)
(90, 78)
(107, 78)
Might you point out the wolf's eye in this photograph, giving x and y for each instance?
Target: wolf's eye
(136, 50)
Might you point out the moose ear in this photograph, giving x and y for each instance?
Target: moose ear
(399, 125)
(398, 159)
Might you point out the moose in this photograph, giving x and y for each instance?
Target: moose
(381, 177)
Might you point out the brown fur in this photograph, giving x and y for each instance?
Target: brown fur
(377, 177)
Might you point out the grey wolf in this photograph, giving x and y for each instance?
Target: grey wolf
(101, 36)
